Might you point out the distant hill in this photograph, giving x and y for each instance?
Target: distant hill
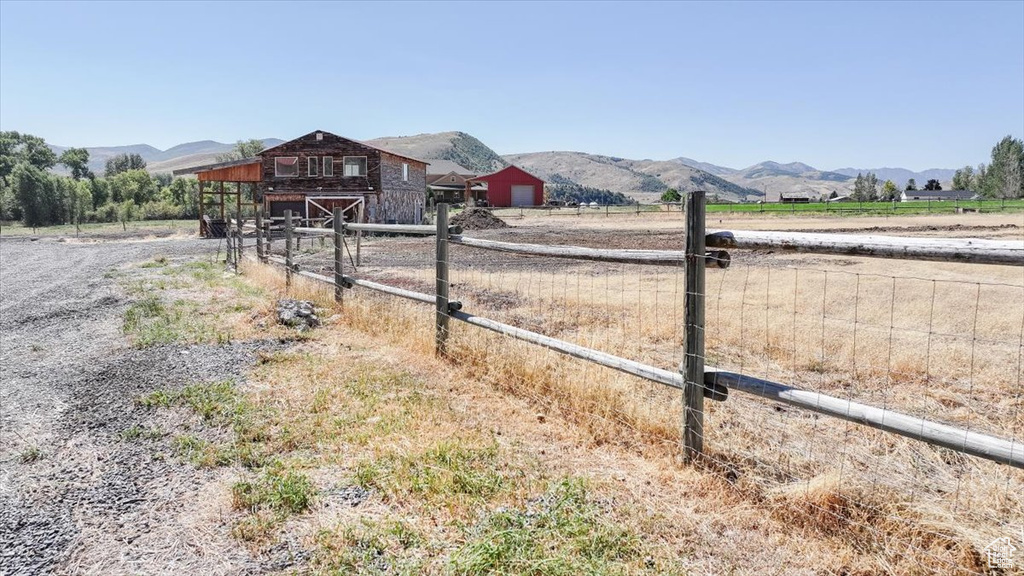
(592, 174)
(901, 175)
(644, 180)
(458, 147)
(180, 156)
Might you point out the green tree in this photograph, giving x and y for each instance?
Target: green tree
(911, 184)
(16, 147)
(933, 184)
(76, 160)
(100, 192)
(243, 149)
(134, 185)
(81, 201)
(126, 212)
(671, 195)
(31, 189)
(865, 188)
(123, 163)
(890, 191)
(183, 192)
(964, 178)
(1005, 175)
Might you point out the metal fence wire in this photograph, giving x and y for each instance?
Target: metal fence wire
(930, 342)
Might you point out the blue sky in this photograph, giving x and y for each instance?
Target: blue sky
(917, 85)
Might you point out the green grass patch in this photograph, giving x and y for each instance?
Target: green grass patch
(384, 547)
(275, 490)
(150, 322)
(450, 472)
(30, 455)
(562, 533)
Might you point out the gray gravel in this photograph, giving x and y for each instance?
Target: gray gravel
(68, 390)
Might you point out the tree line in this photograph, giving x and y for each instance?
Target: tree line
(1003, 177)
(31, 193)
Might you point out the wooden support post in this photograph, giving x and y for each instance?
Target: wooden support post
(238, 199)
(268, 248)
(258, 215)
(359, 234)
(288, 248)
(441, 313)
(239, 242)
(222, 216)
(202, 211)
(339, 261)
(693, 362)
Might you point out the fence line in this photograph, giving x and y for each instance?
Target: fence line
(714, 383)
(972, 251)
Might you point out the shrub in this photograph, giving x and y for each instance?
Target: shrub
(161, 210)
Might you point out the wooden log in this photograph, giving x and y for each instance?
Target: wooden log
(968, 250)
(259, 234)
(693, 361)
(656, 257)
(981, 445)
(426, 229)
(441, 286)
(666, 377)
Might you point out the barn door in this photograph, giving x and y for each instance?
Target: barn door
(522, 195)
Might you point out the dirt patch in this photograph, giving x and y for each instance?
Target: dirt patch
(478, 219)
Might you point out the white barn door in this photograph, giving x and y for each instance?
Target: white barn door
(522, 195)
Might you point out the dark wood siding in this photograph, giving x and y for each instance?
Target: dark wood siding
(336, 147)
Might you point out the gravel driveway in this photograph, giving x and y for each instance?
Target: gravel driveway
(74, 495)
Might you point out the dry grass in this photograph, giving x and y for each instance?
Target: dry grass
(934, 340)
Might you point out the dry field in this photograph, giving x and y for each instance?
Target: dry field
(940, 341)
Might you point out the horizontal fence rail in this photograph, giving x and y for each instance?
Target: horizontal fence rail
(717, 258)
(424, 230)
(716, 383)
(973, 443)
(658, 257)
(967, 250)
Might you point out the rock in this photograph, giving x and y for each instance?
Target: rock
(299, 314)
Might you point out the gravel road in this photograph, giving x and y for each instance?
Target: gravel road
(74, 495)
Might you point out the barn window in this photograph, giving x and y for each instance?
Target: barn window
(405, 172)
(355, 165)
(328, 166)
(311, 165)
(286, 166)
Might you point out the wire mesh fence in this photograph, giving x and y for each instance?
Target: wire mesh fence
(945, 346)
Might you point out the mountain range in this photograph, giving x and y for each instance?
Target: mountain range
(644, 180)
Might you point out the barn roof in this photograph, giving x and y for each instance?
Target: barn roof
(378, 148)
(447, 166)
(216, 166)
(487, 177)
(941, 194)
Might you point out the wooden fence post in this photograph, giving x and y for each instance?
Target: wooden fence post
(441, 312)
(288, 248)
(259, 234)
(229, 244)
(268, 248)
(339, 260)
(359, 234)
(693, 361)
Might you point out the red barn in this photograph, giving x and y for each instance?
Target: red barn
(510, 186)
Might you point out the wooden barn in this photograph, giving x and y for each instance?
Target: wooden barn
(313, 174)
(510, 186)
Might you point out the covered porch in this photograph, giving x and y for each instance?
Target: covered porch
(218, 183)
